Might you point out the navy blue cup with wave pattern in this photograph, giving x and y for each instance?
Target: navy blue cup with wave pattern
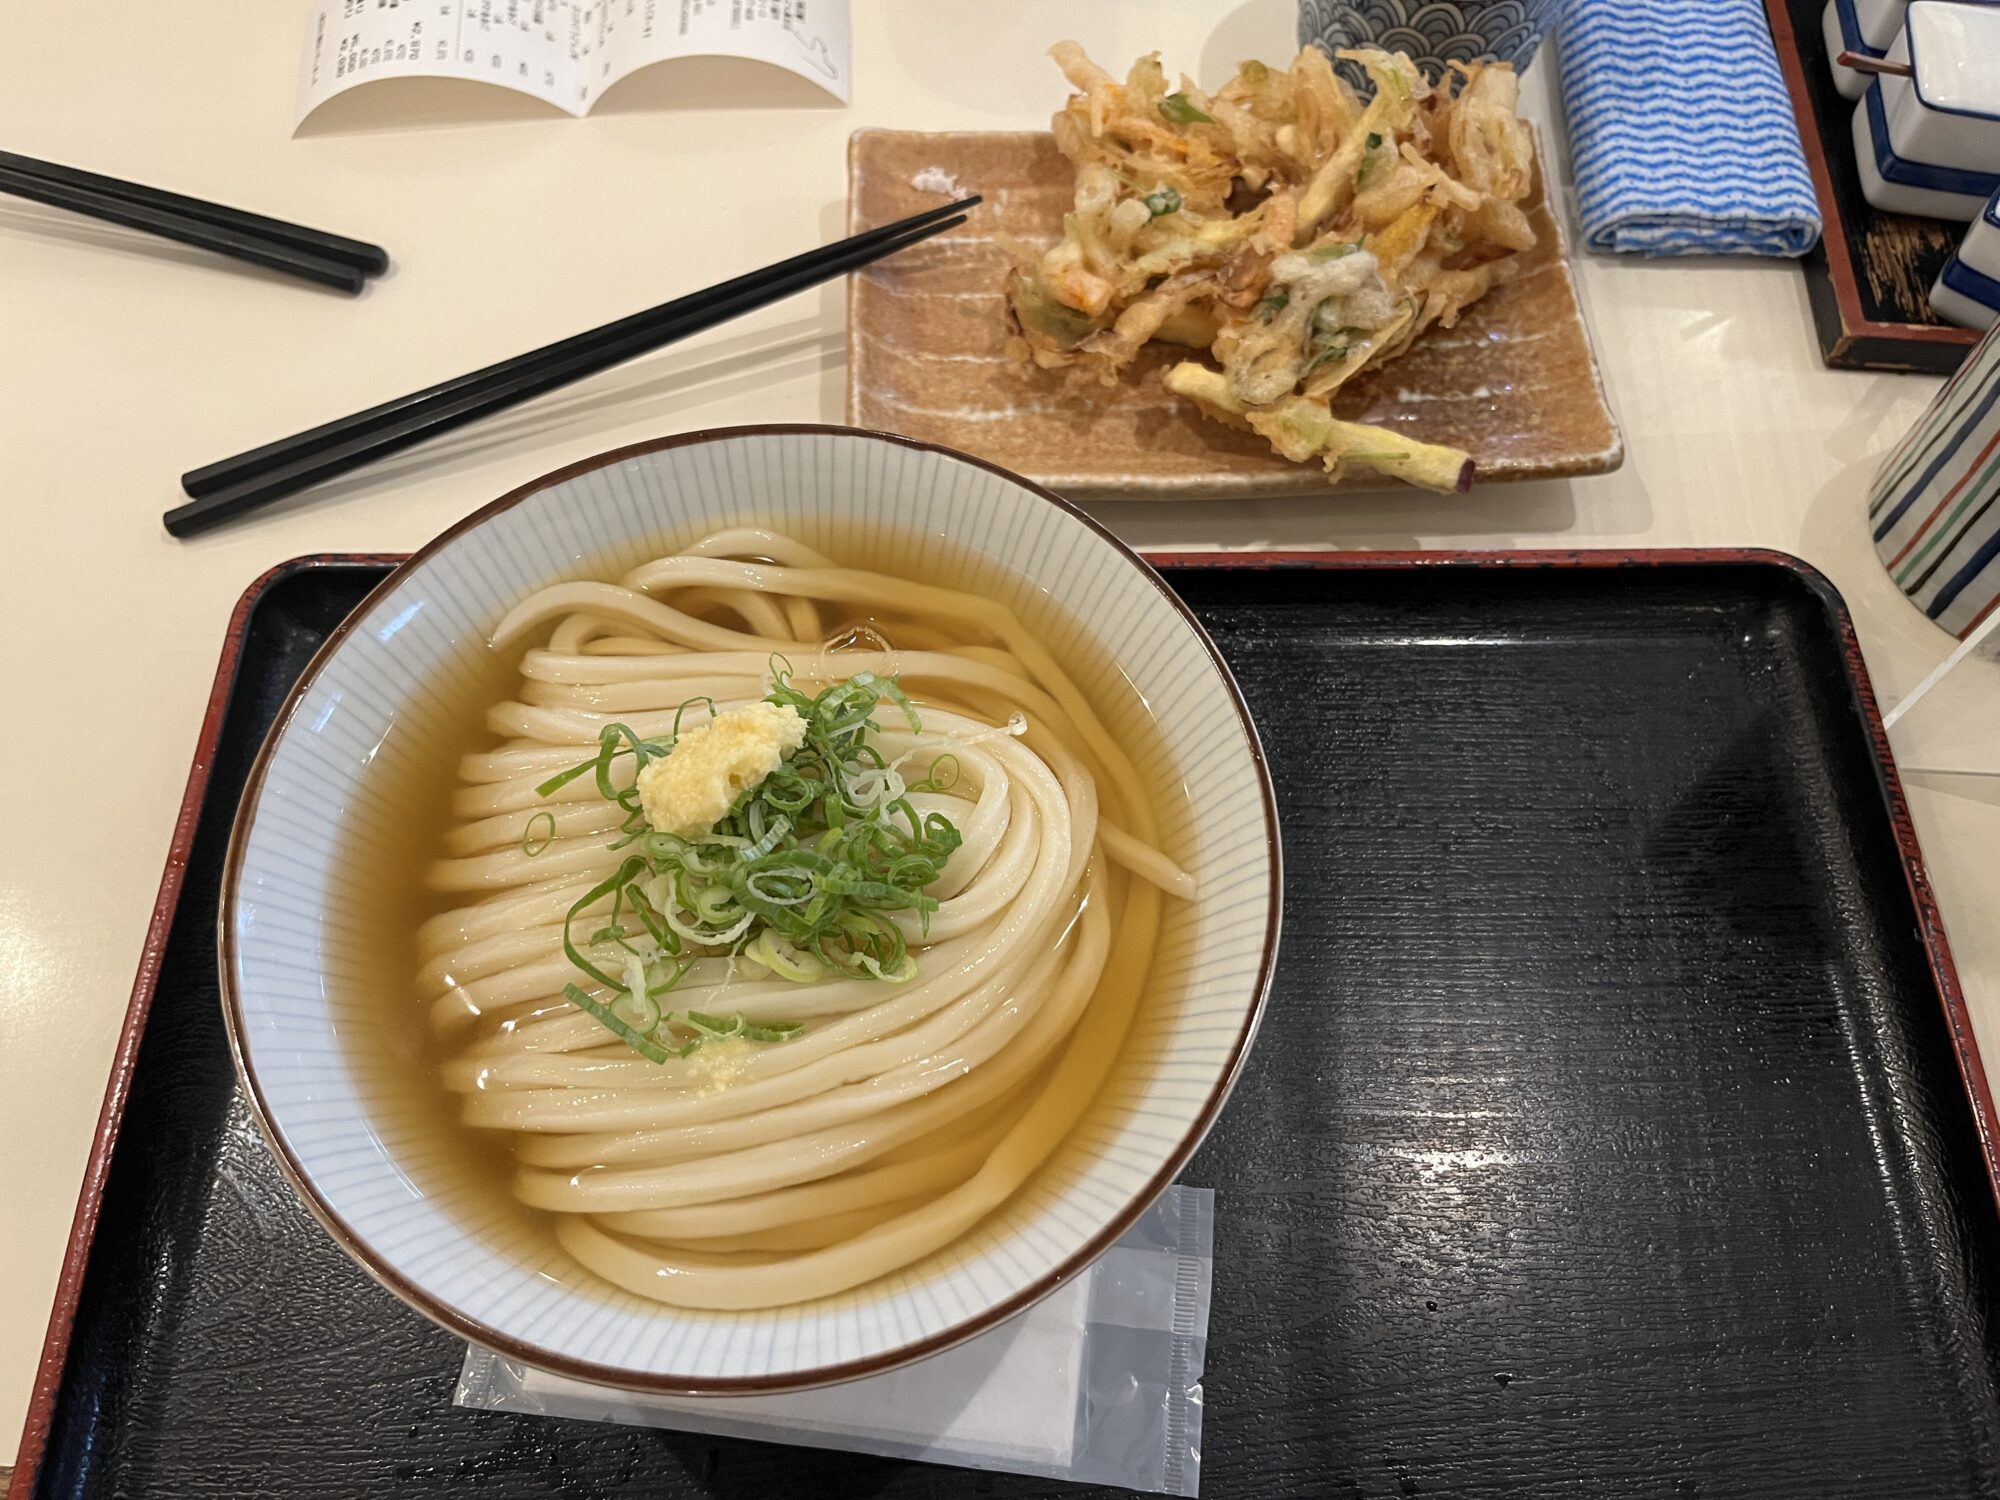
(1434, 32)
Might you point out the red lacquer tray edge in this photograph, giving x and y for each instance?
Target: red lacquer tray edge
(76, 1254)
(1937, 947)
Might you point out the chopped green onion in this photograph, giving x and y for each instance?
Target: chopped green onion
(725, 1028)
(607, 752)
(644, 1045)
(800, 876)
(1333, 348)
(1369, 160)
(1182, 111)
(686, 706)
(782, 959)
(662, 977)
(1333, 354)
(636, 1006)
(614, 887)
(942, 776)
(1162, 201)
(773, 836)
(528, 845)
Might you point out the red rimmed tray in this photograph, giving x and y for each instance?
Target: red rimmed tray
(1619, 1134)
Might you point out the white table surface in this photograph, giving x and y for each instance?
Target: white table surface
(123, 362)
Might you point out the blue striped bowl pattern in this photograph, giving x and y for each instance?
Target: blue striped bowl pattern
(293, 965)
(1934, 509)
(1433, 32)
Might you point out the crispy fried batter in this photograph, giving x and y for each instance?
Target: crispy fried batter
(1297, 233)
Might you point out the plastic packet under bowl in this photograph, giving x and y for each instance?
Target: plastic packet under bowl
(1100, 1382)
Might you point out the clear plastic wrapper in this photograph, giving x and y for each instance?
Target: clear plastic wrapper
(1100, 1382)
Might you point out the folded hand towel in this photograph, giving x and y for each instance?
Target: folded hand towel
(1682, 138)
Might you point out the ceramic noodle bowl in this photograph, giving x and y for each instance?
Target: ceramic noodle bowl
(329, 1026)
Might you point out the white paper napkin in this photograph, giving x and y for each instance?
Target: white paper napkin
(1100, 1382)
(1010, 1393)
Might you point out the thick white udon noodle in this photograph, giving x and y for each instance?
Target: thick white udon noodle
(753, 1175)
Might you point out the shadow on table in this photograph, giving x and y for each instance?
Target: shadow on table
(740, 365)
(709, 83)
(387, 104)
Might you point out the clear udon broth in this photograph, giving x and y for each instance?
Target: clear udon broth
(407, 1055)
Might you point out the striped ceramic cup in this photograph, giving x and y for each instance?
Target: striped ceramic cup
(1935, 507)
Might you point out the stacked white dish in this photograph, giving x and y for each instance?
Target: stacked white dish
(1929, 144)
(1968, 289)
(1866, 27)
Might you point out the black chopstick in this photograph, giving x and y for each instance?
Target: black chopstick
(370, 260)
(234, 243)
(286, 452)
(236, 486)
(333, 448)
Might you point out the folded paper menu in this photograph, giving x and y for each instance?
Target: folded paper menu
(567, 52)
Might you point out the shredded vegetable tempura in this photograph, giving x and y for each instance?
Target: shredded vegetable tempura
(1297, 234)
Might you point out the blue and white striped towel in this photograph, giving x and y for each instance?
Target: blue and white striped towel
(1681, 132)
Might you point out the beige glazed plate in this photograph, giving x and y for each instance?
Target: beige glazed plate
(1516, 383)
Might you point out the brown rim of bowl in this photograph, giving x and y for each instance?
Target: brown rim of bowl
(478, 1333)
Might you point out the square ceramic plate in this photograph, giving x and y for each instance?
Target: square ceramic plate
(1516, 383)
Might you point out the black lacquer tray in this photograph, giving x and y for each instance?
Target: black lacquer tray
(1615, 1128)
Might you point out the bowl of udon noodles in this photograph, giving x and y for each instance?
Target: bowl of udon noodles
(750, 910)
